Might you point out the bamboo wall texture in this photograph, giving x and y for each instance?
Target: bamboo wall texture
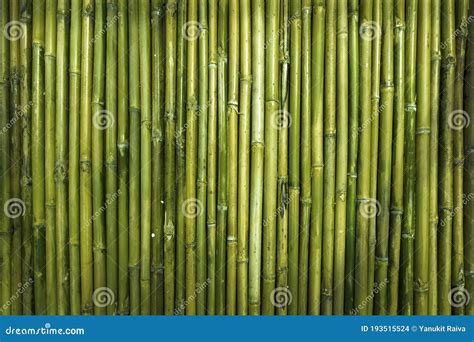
(230, 157)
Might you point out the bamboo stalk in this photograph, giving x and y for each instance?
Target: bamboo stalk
(294, 155)
(222, 40)
(169, 224)
(98, 199)
(203, 102)
(212, 161)
(353, 17)
(317, 154)
(74, 158)
(232, 141)
(244, 158)
(49, 142)
(363, 180)
(457, 275)
(134, 174)
(37, 154)
(396, 203)
(256, 155)
(408, 230)
(305, 165)
(26, 184)
(385, 160)
(342, 157)
(123, 160)
(15, 162)
(448, 64)
(110, 153)
(61, 167)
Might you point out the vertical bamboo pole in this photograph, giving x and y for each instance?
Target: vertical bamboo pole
(305, 164)
(74, 159)
(110, 153)
(244, 157)
(37, 153)
(257, 155)
(342, 157)
(317, 154)
(212, 161)
(448, 64)
(353, 17)
(294, 154)
(232, 140)
(408, 230)
(123, 159)
(396, 211)
(61, 167)
(170, 111)
(134, 174)
(102, 120)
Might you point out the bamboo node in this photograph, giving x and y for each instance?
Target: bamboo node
(423, 131)
(436, 57)
(408, 236)
(420, 286)
(135, 110)
(396, 211)
(410, 107)
(85, 165)
(60, 173)
(381, 260)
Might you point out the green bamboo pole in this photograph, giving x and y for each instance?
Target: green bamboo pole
(272, 105)
(434, 148)
(317, 157)
(15, 162)
(376, 27)
(329, 159)
(222, 50)
(123, 159)
(180, 155)
(26, 193)
(5, 229)
(157, 211)
(385, 160)
(457, 275)
(85, 158)
(49, 142)
(191, 158)
(256, 155)
(244, 157)
(62, 104)
(37, 153)
(342, 157)
(294, 154)
(353, 17)
(212, 161)
(203, 82)
(74, 159)
(469, 167)
(145, 156)
(408, 230)
(232, 140)
(421, 284)
(282, 196)
(396, 211)
(101, 120)
(134, 174)
(446, 159)
(305, 164)
(169, 224)
(363, 160)
(110, 153)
